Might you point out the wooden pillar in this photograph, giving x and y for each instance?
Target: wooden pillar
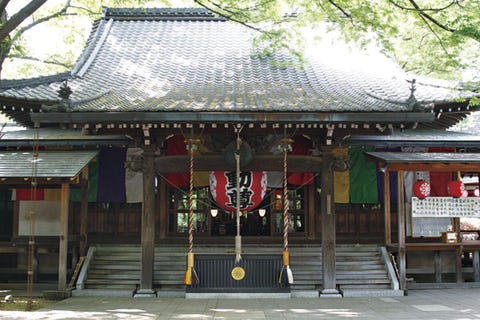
(437, 266)
(387, 211)
(311, 212)
(328, 229)
(162, 208)
(84, 213)
(402, 258)
(476, 266)
(63, 245)
(458, 263)
(148, 228)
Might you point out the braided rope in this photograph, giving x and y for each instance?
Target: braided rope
(190, 202)
(31, 238)
(285, 201)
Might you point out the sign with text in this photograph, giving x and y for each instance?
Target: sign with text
(442, 207)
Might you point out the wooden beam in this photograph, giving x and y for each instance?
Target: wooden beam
(311, 212)
(84, 212)
(328, 230)
(63, 245)
(402, 265)
(21, 182)
(230, 117)
(387, 210)
(163, 209)
(433, 166)
(148, 228)
(295, 163)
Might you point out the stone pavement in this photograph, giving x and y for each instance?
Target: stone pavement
(449, 304)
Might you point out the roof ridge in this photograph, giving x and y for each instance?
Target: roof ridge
(19, 83)
(188, 14)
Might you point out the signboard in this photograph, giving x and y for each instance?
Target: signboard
(443, 207)
(46, 218)
(430, 227)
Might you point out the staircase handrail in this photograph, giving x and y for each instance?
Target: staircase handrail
(390, 270)
(86, 265)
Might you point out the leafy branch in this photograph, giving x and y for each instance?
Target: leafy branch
(47, 61)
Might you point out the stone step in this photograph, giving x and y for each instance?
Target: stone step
(358, 267)
(341, 281)
(115, 266)
(372, 293)
(113, 277)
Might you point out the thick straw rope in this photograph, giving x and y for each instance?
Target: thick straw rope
(238, 237)
(190, 202)
(286, 275)
(190, 274)
(286, 223)
(31, 239)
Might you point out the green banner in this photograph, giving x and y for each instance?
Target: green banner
(363, 177)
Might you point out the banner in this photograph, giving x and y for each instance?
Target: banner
(363, 177)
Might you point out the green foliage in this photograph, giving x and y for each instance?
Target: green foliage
(433, 37)
(428, 37)
(68, 24)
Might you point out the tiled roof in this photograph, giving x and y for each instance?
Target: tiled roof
(53, 164)
(418, 138)
(187, 60)
(60, 137)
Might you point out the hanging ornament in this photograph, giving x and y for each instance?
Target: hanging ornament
(253, 186)
(455, 188)
(421, 189)
(476, 192)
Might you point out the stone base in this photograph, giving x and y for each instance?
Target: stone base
(330, 293)
(145, 293)
(304, 293)
(237, 295)
(55, 295)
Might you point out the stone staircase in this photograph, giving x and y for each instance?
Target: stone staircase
(116, 269)
(362, 271)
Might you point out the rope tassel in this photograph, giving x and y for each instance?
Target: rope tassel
(286, 274)
(191, 277)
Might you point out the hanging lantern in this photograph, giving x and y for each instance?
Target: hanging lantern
(421, 189)
(455, 188)
(476, 192)
(223, 187)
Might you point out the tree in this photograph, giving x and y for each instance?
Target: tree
(434, 37)
(35, 13)
(9, 24)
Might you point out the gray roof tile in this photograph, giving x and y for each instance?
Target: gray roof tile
(50, 164)
(187, 60)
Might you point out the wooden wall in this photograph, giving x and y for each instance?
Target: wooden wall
(355, 223)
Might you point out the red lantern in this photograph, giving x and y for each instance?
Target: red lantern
(455, 188)
(223, 187)
(476, 192)
(421, 189)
